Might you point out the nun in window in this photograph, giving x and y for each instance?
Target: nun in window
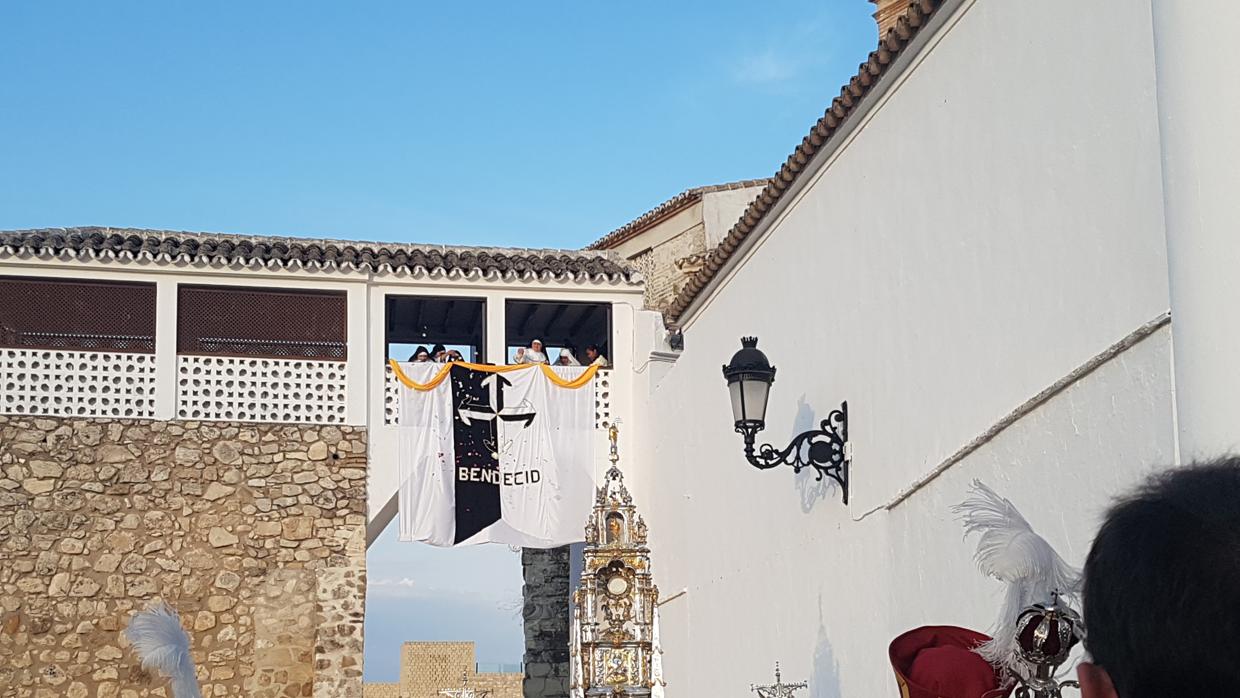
(533, 355)
(566, 358)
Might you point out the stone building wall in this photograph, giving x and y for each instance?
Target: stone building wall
(429, 667)
(254, 533)
(547, 621)
(658, 265)
(382, 690)
(670, 247)
(426, 668)
(500, 685)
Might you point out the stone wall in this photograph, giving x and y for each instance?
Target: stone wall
(254, 533)
(547, 622)
(669, 251)
(658, 265)
(382, 690)
(426, 668)
(500, 685)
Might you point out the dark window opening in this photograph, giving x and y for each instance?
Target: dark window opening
(280, 324)
(456, 324)
(77, 315)
(559, 325)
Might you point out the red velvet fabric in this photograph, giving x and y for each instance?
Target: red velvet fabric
(938, 661)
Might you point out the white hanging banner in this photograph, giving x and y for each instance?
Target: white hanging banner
(495, 454)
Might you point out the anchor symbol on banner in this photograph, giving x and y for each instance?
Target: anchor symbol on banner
(521, 412)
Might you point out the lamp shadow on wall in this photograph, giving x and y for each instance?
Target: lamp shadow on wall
(825, 680)
(808, 486)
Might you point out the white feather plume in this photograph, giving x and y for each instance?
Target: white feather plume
(1012, 552)
(163, 645)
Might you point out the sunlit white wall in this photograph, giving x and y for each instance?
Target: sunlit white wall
(993, 224)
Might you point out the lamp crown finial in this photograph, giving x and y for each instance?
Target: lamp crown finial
(749, 342)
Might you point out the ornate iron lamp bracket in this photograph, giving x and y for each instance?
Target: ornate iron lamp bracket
(824, 449)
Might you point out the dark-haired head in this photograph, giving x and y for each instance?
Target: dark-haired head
(1162, 589)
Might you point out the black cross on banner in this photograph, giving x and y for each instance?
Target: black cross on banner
(477, 429)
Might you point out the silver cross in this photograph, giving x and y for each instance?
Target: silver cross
(779, 689)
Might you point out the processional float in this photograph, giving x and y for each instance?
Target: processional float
(615, 635)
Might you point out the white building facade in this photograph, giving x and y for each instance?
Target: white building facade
(221, 410)
(1009, 245)
(989, 247)
(224, 379)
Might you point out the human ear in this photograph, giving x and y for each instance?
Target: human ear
(1095, 681)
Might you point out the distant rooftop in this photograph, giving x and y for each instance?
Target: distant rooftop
(676, 203)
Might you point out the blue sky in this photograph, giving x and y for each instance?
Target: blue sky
(531, 124)
(418, 592)
(518, 124)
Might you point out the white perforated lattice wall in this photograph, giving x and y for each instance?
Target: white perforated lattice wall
(602, 399)
(260, 390)
(77, 383)
(391, 396)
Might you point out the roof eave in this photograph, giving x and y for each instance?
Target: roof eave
(665, 210)
(608, 242)
(254, 254)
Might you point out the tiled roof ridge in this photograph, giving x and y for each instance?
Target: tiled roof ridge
(294, 239)
(851, 94)
(684, 198)
(225, 250)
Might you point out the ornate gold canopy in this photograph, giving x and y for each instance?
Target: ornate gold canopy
(615, 610)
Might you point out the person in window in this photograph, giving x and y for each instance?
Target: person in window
(566, 358)
(533, 355)
(420, 355)
(454, 356)
(439, 354)
(595, 357)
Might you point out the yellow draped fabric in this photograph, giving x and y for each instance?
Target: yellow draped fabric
(439, 376)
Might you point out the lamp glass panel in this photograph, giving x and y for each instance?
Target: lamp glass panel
(738, 401)
(755, 393)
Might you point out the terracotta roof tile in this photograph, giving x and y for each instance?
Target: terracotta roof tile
(237, 251)
(841, 107)
(635, 227)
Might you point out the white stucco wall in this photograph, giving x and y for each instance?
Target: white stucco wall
(721, 210)
(1199, 107)
(776, 570)
(994, 224)
(968, 239)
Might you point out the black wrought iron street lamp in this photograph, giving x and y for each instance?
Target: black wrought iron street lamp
(824, 449)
